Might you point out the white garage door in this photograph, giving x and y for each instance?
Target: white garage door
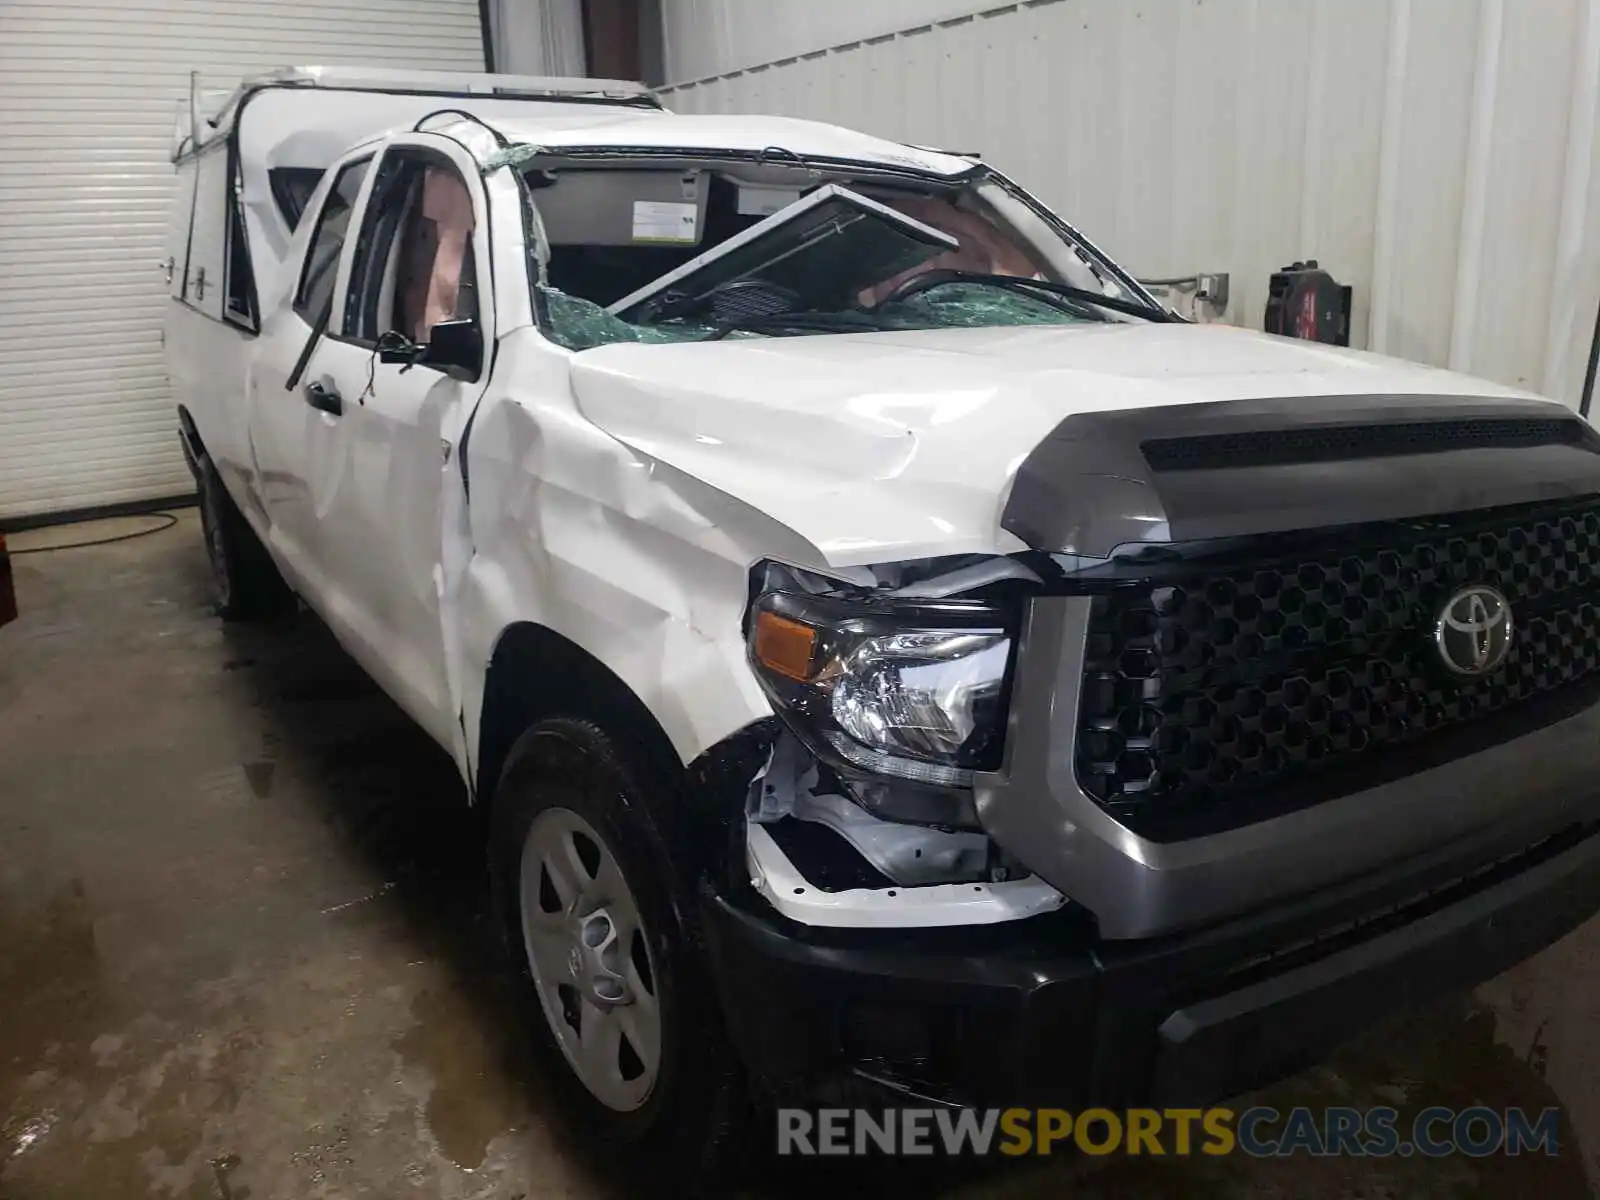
(88, 90)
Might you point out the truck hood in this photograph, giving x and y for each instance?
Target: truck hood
(878, 447)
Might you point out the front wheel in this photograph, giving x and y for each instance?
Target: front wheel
(607, 951)
(588, 953)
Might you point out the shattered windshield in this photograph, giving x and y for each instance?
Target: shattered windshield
(694, 255)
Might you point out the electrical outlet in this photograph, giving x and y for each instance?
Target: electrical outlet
(1213, 289)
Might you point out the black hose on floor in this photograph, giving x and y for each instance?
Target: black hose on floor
(170, 519)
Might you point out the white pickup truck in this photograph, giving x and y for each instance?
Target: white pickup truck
(897, 656)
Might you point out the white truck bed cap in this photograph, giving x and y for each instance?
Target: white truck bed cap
(450, 82)
(214, 109)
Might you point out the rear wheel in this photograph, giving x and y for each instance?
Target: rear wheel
(247, 582)
(607, 951)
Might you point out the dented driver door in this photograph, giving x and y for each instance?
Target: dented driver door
(354, 400)
(411, 331)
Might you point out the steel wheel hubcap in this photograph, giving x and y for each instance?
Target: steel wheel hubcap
(590, 958)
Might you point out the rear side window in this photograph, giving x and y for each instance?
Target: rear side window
(315, 293)
(291, 190)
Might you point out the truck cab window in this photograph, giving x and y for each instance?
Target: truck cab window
(413, 264)
(435, 279)
(327, 240)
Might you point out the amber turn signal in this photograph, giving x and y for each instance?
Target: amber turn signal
(785, 647)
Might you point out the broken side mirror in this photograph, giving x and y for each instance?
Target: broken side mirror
(396, 347)
(454, 347)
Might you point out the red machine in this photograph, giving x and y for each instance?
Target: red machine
(1303, 301)
(8, 594)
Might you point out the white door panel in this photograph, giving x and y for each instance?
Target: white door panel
(205, 275)
(175, 264)
(354, 497)
(293, 444)
(386, 507)
(392, 503)
(286, 435)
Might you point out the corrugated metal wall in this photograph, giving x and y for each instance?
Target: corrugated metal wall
(1439, 155)
(88, 89)
(707, 37)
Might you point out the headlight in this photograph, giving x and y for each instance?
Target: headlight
(918, 697)
(913, 691)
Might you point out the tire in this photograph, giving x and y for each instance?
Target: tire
(672, 1125)
(247, 582)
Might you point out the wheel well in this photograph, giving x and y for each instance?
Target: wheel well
(536, 673)
(193, 448)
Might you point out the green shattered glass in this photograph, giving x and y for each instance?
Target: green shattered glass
(969, 305)
(580, 324)
(512, 156)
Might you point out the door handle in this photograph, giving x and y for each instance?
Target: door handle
(324, 397)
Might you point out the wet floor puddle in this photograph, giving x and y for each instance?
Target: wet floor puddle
(480, 1079)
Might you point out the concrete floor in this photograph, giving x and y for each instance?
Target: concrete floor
(244, 949)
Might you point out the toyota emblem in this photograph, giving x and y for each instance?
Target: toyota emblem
(1473, 632)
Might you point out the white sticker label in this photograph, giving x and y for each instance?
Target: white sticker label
(764, 201)
(663, 221)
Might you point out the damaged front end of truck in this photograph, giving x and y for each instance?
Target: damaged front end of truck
(1060, 684)
(854, 850)
(1173, 803)
(890, 699)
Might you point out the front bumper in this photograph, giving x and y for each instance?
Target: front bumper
(1042, 1011)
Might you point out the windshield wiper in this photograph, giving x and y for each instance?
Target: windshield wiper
(809, 322)
(1027, 287)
